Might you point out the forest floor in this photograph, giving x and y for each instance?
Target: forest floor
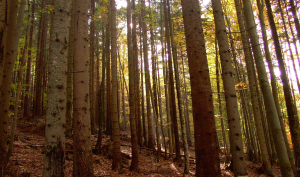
(27, 157)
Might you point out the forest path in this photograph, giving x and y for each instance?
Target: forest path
(27, 157)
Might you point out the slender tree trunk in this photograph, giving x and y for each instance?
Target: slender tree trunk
(19, 85)
(136, 77)
(131, 66)
(220, 102)
(108, 78)
(273, 82)
(147, 78)
(92, 70)
(69, 115)
(179, 100)
(116, 165)
(154, 87)
(142, 91)
(28, 70)
(171, 81)
(270, 106)
(3, 25)
(165, 76)
(11, 45)
(254, 99)
(186, 107)
(102, 95)
(82, 164)
(291, 109)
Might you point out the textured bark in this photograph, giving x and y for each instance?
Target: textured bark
(236, 143)
(270, 106)
(206, 142)
(11, 44)
(131, 66)
(83, 163)
(147, 77)
(54, 161)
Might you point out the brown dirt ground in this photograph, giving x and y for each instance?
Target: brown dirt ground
(27, 157)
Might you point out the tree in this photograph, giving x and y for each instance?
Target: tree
(291, 108)
(3, 26)
(57, 84)
(270, 107)
(114, 100)
(11, 45)
(83, 164)
(131, 66)
(206, 142)
(92, 64)
(147, 77)
(236, 142)
(28, 70)
(171, 81)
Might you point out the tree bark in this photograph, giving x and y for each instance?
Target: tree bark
(83, 163)
(54, 161)
(206, 142)
(11, 45)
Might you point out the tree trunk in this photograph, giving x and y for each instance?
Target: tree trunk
(270, 107)
(116, 165)
(131, 66)
(92, 64)
(206, 142)
(147, 78)
(291, 109)
(69, 108)
(11, 44)
(54, 160)
(171, 81)
(83, 163)
(19, 85)
(3, 33)
(239, 166)
(28, 70)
